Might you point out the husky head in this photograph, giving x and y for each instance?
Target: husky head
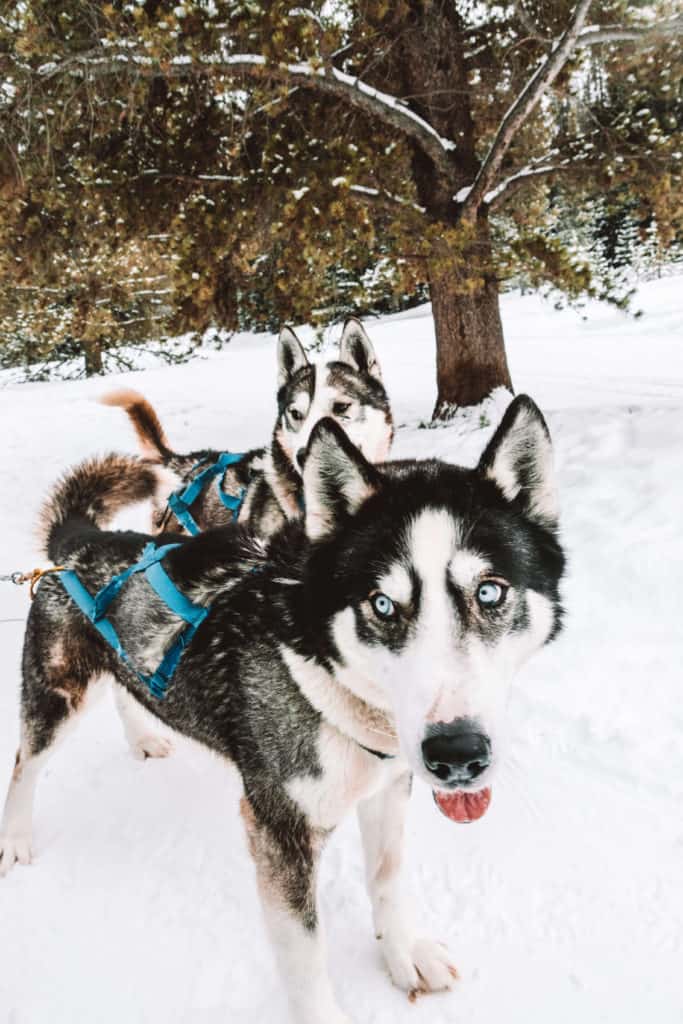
(433, 584)
(348, 390)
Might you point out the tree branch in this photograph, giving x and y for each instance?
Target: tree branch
(521, 109)
(528, 24)
(356, 93)
(507, 188)
(390, 110)
(596, 34)
(381, 198)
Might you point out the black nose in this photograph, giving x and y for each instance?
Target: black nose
(301, 457)
(456, 752)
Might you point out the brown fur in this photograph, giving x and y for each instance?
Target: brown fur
(285, 878)
(145, 421)
(117, 480)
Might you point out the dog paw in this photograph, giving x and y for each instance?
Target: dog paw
(13, 850)
(151, 746)
(418, 965)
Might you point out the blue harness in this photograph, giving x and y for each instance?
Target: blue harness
(180, 501)
(95, 608)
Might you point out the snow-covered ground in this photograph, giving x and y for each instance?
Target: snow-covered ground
(563, 904)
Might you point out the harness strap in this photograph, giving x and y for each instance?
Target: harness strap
(94, 609)
(104, 597)
(180, 501)
(162, 584)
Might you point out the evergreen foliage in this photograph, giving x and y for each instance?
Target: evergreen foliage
(166, 166)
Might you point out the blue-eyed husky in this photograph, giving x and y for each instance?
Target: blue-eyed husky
(348, 390)
(390, 621)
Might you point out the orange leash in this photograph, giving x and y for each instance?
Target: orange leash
(33, 578)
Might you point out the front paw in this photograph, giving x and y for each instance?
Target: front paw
(151, 746)
(13, 850)
(418, 965)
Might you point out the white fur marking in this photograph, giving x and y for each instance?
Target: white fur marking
(397, 585)
(467, 566)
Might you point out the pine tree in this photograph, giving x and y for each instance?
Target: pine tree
(259, 158)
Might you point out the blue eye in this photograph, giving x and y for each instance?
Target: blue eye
(490, 594)
(383, 606)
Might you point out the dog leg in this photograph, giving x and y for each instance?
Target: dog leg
(17, 818)
(416, 964)
(286, 874)
(43, 729)
(138, 725)
(55, 685)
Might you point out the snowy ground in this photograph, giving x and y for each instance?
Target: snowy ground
(565, 902)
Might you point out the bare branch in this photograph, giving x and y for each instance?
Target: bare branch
(522, 108)
(596, 34)
(507, 188)
(379, 197)
(390, 110)
(357, 93)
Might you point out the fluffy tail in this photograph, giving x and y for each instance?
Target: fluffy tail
(91, 495)
(151, 436)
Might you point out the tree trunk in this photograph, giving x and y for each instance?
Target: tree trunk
(470, 349)
(92, 354)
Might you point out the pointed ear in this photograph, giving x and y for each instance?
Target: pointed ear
(290, 356)
(519, 460)
(337, 479)
(355, 348)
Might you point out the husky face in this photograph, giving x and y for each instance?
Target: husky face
(442, 581)
(348, 390)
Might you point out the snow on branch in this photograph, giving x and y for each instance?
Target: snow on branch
(593, 35)
(506, 188)
(522, 107)
(391, 110)
(359, 94)
(375, 195)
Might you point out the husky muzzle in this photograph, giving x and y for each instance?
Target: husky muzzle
(456, 753)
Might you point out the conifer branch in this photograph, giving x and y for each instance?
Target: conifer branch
(382, 106)
(520, 110)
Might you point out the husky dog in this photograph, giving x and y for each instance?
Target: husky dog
(348, 390)
(390, 621)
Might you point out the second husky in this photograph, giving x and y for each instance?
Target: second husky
(265, 485)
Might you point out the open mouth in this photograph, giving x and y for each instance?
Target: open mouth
(462, 806)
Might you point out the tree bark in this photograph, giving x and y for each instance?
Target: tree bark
(92, 354)
(470, 348)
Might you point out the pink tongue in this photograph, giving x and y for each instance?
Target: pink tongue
(461, 806)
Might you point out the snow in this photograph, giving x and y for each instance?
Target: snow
(363, 190)
(565, 902)
(307, 70)
(528, 172)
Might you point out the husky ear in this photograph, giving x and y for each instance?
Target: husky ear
(337, 479)
(355, 348)
(290, 356)
(519, 460)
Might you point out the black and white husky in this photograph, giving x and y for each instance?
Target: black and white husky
(349, 390)
(389, 623)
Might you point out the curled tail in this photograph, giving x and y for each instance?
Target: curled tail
(90, 496)
(153, 442)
